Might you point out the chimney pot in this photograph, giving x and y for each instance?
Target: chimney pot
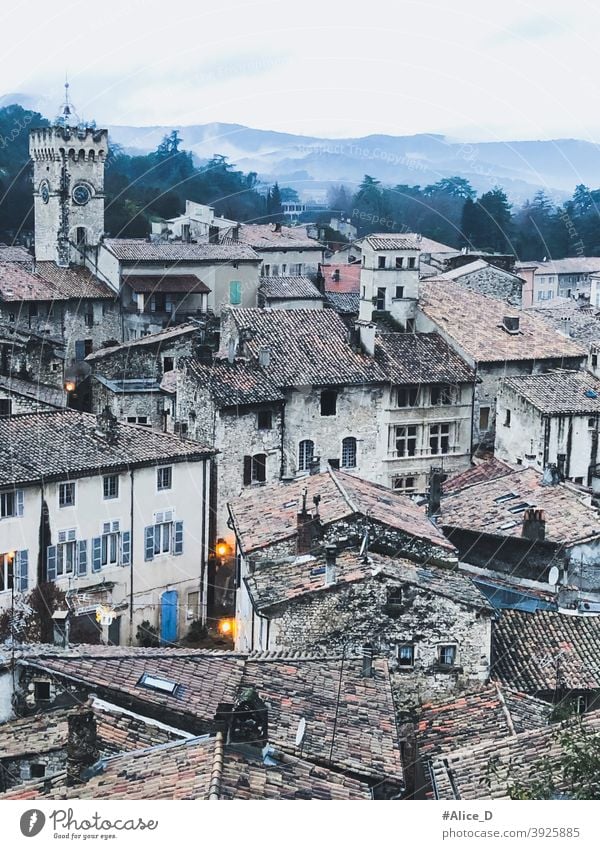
(367, 660)
(534, 525)
(330, 564)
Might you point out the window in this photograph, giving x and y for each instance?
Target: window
(595, 360)
(164, 477)
(484, 418)
(406, 440)
(406, 655)
(411, 262)
(580, 703)
(37, 770)
(380, 262)
(193, 605)
(33, 309)
(161, 685)
(163, 532)
(109, 544)
(407, 396)
(265, 420)
(141, 420)
(507, 419)
(328, 402)
(334, 463)
(66, 552)
(348, 452)
(399, 263)
(399, 292)
(5, 406)
(267, 270)
(306, 451)
(89, 319)
(439, 438)
(255, 469)
(83, 347)
(235, 291)
(380, 299)
(165, 536)
(6, 572)
(404, 484)
(66, 494)
(297, 270)
(446, 655)
(168, 364)
(441, 394)
(592, 424)
(284, 269)
(41, 691)
(110, 486)
(11, 503)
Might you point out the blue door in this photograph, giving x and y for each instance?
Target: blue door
(168, 617)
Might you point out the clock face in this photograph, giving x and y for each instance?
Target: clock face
(45, 191)
(81, 194)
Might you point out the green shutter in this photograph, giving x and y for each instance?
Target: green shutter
(235, 292)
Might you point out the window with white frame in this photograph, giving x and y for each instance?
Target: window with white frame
(110, 486)
(11, 503)
(164, 477)
(406, 440)
(6, 571)
(66, 494)
(446, 655)
(349, 452)
(66, 552)
(439, 438)
(165, 536)
(406, 655)
(406, 484)
(306, 453)
(109, 544)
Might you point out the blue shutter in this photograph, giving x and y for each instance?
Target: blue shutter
(51, 563)
(96, 554)
(149, 543)
(22, 571)
(20, 501)
(125, 548)
(82, 557)
(178, 540)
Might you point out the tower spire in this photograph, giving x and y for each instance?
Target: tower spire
(67, 117)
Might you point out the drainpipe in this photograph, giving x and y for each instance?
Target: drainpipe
(203, 542)
(473, 412)
(282, 462)
(131, 550)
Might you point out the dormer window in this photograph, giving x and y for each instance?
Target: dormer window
(510, 323)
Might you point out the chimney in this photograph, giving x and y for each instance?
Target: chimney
(277, 227)
(305, 528)
(82, 744)
(336, 275)
(564, 326)
(106, 426)
(436, 476)
(367, 338)
(330, 564)
(534, 525)
(264, 356)
(314, 466)
(367, 660)
(249, 719)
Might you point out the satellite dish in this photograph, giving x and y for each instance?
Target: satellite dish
(553, 576)
(300, 732)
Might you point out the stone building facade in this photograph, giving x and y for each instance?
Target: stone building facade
(486, 279)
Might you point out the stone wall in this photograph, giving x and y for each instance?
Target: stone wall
(495, 283)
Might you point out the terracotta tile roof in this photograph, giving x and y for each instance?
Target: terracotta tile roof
(350, 720)
(482, 507)
(346, 303)
(202, 768)
(282, 583)
(49, 282)
(34, 390)
(557, 392)
(473, 267)
(582, 323)
(492, 713)
(14, 253)
(568, 265)
(74, 282)
(475, 322)
(486, 471)
(117, 730)
(268, 514)
(307, 347)
(393, 241)
(420, 358)
(163, 337)
(489, 770)
(173, 283)
(546, 650)
(430, 246)
(234, 384)
(342, 278)
(289, 288)
(51, 445)
(139, 250)
(264, 237)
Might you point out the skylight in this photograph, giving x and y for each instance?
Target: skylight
(519, 508)
(161, 685)
(508, 497)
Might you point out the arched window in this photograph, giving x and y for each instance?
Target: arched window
(349, 452)
(306, 452)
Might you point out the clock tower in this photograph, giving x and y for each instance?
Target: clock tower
(68, 187)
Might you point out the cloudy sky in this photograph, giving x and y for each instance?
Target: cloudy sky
(472, 69)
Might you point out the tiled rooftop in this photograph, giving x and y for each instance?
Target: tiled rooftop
(492, 713)
(490, 769)
(568, 265)
(473, 267)
(49, 282)
(140, 250)
(343, 278)
(307, 347)
(234, 384)
(52, 445)
(163, 337)
(496, 506)
(346, 303)
(479, 473)
(393, 241)
(265, 237)
(187, 284)
(14, 253)
(34, 390)
(581, 323)
(289, 288)
(282, 583)
(546, 650)
(420, 358)
(475, 322)
(559, 392)
(268, 514)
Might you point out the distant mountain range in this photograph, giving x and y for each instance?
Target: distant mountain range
(310, 164)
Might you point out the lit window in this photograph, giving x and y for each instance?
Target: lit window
(164, 477)
(6, 572)
(193, 605)
(446, 655)
(110, 486)
(306, 451)
(349, 452)
(66, 494)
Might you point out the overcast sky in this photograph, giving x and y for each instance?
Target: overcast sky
(473, 69)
